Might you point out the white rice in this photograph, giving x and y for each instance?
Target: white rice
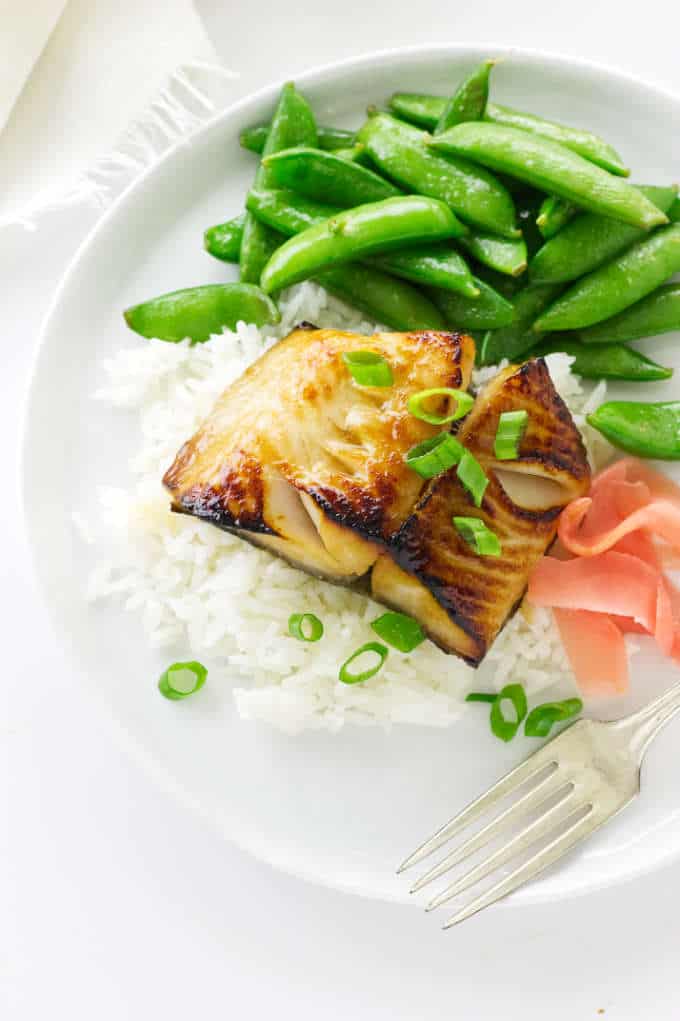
(208, 594)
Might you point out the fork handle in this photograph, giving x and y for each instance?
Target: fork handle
(641, 727)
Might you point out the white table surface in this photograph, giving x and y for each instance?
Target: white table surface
(114, 904)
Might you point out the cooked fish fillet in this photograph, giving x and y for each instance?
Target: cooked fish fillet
(298, 458)
(463, 599)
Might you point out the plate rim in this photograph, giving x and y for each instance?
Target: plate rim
(317, 74)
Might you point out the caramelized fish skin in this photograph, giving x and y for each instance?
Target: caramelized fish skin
(297, 457)
(463, 599)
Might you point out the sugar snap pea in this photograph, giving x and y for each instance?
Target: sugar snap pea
(285, 211)
(585, 143)
(399, 150)
(589, 241)
(646, 430)
(356, 233)
(605, 361)
(327, 177)
(418, 108)
(436, 264)
(658, 313)
(469, 100)
(554, 214)
(425, 111)
(488, 310)
(196, 313)
(224, 240)
(674, 211)
(515, 339)
(381, 297)
(551, 167)
(616, 285)
(293, 124)
(504, 255)
(329, 138)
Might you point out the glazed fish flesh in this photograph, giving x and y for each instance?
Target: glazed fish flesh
(298, 458)
(430, 572)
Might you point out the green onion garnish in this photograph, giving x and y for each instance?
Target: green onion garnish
(476, 534)
(434, 456)
(511, 428)
(472, 477)
(345, 674)
(463, 403)
(542, 719)
(503, 728)
(182, 679)
(481, 696)
(368, 368)
(305, 626)
(401, 632)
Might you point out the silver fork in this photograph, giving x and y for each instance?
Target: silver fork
(563, 793)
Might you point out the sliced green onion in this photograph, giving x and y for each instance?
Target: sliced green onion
(463, 403)
(368, 368)
(305, 626)
(347, 677)
(543, 718)
(182, 679)
(511, 428)
(401, 632)
(476, 534)
(504, 728)
(481, 696)
(434, 456)
(473, 477)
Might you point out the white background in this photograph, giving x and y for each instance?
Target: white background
(114, 903)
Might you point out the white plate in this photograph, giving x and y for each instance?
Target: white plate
(340, 810)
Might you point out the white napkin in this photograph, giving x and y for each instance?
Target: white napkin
(25, 30)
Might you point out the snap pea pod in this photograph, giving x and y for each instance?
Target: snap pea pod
(554, 214)
(425, 111)
(329, 138)
(196, 313)
(399, 150)
(287, 212)
(616, 285)
(658, 313)
(504, 255)
(591, 240)
(469, 100)
(551, 167)
(327, 177)
(293, 124)
(224, 240)
(674, 211)
(418, 108)
(438, 265)
(606, 361)
(488, 310)
(646, 430)
(355, 154)
(515, 339)
(591, 147)
(382, 298)
(356, 233)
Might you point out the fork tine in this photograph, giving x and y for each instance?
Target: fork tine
(540, 827)
(533, 799)
(525, 771)
(530, 869)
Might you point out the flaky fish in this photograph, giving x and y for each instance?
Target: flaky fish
(463, 599)
(299, 458)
